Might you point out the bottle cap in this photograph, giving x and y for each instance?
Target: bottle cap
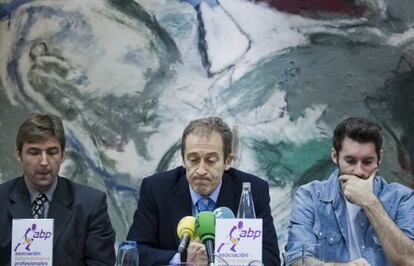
(246, 185)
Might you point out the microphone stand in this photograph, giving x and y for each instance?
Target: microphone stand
(210, 251)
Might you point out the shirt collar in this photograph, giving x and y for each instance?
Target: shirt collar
(33, 192)
(196, 196)
(331, 191)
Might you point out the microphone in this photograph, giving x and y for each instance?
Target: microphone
(205, 230)
(223, 213)
(186, 232)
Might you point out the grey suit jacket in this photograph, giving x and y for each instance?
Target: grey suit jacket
(83, 233)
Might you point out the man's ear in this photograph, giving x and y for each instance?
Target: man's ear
(18, 156)
(228, 161)
(334, 155)
(182, 161)
(381, 156)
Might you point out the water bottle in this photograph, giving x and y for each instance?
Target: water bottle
(127, 254)
(246, 206)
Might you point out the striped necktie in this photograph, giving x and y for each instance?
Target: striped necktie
(205, 204)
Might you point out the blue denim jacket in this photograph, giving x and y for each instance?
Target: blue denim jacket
(319, 216)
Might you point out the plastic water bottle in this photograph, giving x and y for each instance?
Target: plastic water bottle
(246, 206)
(127, 254)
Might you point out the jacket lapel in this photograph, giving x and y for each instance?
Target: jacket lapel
(180, 204)
(230, 192)
(60, 209)
(21, 201)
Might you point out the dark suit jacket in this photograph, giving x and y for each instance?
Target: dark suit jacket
(165, 199)
(83, 233)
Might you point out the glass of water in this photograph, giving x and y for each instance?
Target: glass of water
(127, 254)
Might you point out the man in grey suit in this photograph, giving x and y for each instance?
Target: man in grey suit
(83, 233)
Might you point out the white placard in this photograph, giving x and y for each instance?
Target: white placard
(32, 242)
(238, 241)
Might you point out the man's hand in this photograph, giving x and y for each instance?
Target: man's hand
(357, 190)
(196, 253)
(358, 262)
(313, 261)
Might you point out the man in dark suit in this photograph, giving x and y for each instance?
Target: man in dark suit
(206, 174)
(83, 233)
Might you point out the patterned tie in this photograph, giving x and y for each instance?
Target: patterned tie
(38, 208)
(205, 204)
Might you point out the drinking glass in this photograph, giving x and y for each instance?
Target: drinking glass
(127, 254)
(255, 263)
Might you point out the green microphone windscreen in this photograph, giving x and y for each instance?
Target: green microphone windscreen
(206, 225)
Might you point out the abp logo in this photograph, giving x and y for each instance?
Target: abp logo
(32, 233)
(233, 236)
(237, 233)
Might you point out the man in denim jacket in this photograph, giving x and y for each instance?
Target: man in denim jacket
(354, 217)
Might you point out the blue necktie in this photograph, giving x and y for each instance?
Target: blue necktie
(205, 204)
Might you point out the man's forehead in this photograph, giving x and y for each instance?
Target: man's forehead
(212, 138)
(205, 153)
(204, 144)
(202, 132)
(205, 133)
(348, 141)
(45, 142)
(351, 148)
(366, 156)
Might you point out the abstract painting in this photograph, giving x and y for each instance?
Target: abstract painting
(127, 76)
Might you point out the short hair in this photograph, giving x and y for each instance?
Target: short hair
(39, 127)
(359, 129)
(207, 126)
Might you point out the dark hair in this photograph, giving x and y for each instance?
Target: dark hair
(207, 126)
(359, 129)
(38, 127)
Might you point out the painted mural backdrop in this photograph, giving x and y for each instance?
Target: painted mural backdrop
(127, 76)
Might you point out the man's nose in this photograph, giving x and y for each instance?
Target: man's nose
(44, 161)
(359, 171)
(201, 170)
